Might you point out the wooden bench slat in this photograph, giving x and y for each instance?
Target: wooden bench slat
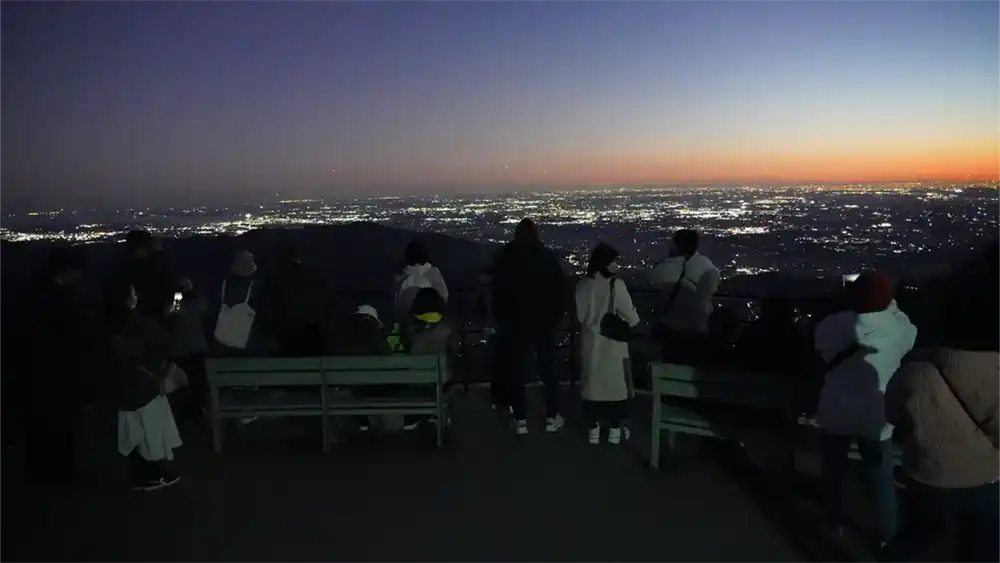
(382, 377)
(263, 364)
(266, 379)
(327, 375)
(379, 363)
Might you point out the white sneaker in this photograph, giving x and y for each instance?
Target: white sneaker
(521, 427)
(594, 435)
(626, 433)
(614, 436)
(554, 423)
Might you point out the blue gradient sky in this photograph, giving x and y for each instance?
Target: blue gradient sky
(133, 102)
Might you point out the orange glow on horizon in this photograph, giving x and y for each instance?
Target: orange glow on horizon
(973, 162)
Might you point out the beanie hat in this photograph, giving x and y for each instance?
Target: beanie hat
(870, 293)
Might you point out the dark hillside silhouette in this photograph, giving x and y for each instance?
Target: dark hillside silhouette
(355, 257)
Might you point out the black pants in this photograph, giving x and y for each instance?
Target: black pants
(604, 413)
(515, 355)
(143, 471)
(50, 448)
(194, 398)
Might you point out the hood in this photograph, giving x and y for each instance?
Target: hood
(416, 276)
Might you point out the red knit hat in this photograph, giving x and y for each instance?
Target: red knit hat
(871, 292)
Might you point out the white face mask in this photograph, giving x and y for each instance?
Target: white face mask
(132, 300)
(613, 267)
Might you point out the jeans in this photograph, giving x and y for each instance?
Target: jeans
(516, 347)
(609, 413)
(974, 511)
(877, 458)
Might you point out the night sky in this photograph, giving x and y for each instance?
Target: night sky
(123, 103)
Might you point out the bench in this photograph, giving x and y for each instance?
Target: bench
(292, 387)
(263, 387)
(714, 402)
(423, 379)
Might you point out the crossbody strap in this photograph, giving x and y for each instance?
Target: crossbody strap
(676, 290)
(611, 300)
(854, 348)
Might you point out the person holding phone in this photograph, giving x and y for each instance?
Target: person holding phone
(189, 346)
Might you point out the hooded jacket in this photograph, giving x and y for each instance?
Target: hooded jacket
(852, 400)
(415, 278)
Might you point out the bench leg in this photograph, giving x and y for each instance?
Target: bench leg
(671, 440)
(216, 422)
(216, 436)
(654, 447)
(442, 422)
(325, 426)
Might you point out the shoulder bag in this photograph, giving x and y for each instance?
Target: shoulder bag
(612, 326)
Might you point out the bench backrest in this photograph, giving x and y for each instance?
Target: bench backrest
(263, 372)
(719, 385)
(330, 370)
(381, 370)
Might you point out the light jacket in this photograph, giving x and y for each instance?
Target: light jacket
(946, 444)
(602, 359)
(415, 278)
(693, 305)
(852, 400)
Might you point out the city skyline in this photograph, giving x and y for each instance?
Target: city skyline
(129, 103)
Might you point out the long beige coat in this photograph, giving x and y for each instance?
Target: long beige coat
(602, 360)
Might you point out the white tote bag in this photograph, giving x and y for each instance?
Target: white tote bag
(232, 327)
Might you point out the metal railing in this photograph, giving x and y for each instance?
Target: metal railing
(474, 330)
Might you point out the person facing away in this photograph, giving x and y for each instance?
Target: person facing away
(427, 332)
(61, 369)
(605, 386)
(188, 347)
(530, 297)
(299, 299)
(360, 334)
(945, 402)
(418, 274)
(698, 279)
(147, 269)
(147, 432)
(862, 348)
(237, 323)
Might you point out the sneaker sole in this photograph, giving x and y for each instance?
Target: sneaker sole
(161, 485)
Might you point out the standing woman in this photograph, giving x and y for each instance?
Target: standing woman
(147, 433)
(945, 401)
(605, 386)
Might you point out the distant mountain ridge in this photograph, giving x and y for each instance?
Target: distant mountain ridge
(353, 257)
